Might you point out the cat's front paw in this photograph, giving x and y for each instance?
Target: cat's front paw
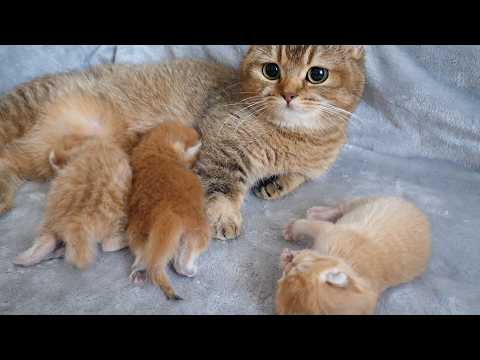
(270, 189)
(225, 219)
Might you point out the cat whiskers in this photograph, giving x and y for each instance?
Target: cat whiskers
(250, 109)
(255, 112)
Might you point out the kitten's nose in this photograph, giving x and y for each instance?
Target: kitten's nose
(289, 97)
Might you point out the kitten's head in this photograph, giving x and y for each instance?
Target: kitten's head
(313, 284)
(185, 141)
(303, 86)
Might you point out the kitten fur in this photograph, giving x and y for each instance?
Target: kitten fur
(86, 203)
(167, 218)
(252, 136)
(375, 243)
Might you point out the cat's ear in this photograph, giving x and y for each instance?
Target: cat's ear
(192, 151)
(335, 277)
(357, 51)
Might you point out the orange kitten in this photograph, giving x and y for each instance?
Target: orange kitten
(374, 244)
(166, 215)
(86, 203)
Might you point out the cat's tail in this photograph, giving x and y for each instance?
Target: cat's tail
(21, 107)
(162, 243)
(80, 246)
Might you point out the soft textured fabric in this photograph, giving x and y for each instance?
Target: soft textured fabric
(421, 104)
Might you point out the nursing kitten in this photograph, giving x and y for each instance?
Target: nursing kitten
(86, 203)
(276, 122)
(167, 218)
(374, 244)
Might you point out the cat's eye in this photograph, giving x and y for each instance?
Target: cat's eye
(271, 71)
(317, 75)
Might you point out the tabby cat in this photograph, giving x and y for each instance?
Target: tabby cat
(274, 123)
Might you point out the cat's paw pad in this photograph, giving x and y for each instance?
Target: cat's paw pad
(138, 277)
(270, 189)
(225, 220)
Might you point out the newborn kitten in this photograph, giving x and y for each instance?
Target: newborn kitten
(374, 244)
(86, 203)
(166, 207)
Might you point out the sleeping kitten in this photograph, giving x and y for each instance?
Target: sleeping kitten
(166, 208)
(86, 203)
(274, 123)
(375, 243)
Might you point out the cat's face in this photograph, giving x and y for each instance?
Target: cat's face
(313, 284)
(303, 85)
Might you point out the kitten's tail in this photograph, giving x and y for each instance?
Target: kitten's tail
(80, 246)
(162, 243)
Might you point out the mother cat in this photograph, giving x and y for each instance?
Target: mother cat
(274, 124)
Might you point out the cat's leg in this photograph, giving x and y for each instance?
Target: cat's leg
(275, 187)
(324, 213)
(41, 250)
(225, 187)
(299, 229)
(193, 244)
(224, 215)
(116, 242)
(138, 274)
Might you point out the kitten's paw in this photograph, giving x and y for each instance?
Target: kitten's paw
(138, 277)
(271, 188)
(286, 257)
(324, 213)
(115, 243)
(288, 233)
(225, 220)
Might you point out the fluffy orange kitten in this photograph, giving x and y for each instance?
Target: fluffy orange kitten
(167, 219)
(375, 243)
(86, 203)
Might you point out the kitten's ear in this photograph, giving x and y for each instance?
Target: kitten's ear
(357, 51)
(192, 151)
(335, 277)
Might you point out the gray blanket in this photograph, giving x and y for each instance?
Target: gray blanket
(416, 134)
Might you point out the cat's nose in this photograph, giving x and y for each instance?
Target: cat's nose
(289, 97)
